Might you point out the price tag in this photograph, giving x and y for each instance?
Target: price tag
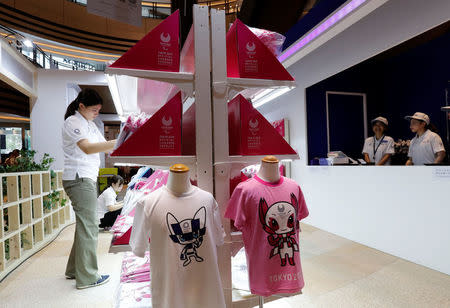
(441, 173)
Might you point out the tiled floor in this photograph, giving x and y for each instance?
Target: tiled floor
(341, 273)
(40, 281)
(338, 273)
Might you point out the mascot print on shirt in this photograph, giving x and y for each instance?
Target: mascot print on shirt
(188, 233)
(279, 220)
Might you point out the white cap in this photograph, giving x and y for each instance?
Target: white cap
(380, 119)
(419, 116)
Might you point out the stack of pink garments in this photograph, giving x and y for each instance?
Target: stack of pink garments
(135, 294)
(125, 220)
(273, 40)
(122, 224)
(135, 269)
(133, 123)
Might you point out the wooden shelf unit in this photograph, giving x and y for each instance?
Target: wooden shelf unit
(25, 227)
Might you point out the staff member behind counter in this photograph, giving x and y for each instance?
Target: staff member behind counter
(426, 147)
(379, 148)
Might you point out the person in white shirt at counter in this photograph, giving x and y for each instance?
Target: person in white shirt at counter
(379, 148)
(426, 147)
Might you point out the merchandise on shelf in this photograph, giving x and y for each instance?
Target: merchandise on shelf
(134, 295)
(249, 57)
(133, 123)
(138, 187)
(160, 135)
(135, 269)
(273, 40)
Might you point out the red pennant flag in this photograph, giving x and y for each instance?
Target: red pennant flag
(159, 136)
(248, 57)
(250, 133)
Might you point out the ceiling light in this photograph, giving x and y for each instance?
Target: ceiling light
(270, 96)
(14, 118)
(112, 84)
(321, 28)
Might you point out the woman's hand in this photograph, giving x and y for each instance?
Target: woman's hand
(366, 158)
(115, 207)
(384, 160)
(439, 157)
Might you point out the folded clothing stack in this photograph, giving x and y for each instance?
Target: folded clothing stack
(134, 295)
(134, 288)
(135, 269)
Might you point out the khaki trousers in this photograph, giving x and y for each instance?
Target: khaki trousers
(82, 262)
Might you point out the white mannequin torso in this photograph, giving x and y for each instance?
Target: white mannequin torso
(269, 172)
(179, 182)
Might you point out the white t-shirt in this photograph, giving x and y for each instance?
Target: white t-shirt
(382, 147)
(76, 128)
(107, 198)
(185, 232)
(422, 149)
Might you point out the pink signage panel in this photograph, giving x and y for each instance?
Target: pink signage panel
(159, 136)
(159, 50)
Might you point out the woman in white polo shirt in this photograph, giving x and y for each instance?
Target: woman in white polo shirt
(426, 147)
(82, 142)
(379, 148)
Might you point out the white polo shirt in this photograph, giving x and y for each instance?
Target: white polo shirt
(379, 147)
(76, 128)
(422, 149)
(107, 198)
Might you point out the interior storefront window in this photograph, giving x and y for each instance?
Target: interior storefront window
(409, 78)
(13, 139)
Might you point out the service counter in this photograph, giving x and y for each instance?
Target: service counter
(404, 211)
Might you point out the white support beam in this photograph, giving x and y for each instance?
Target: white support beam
(203, 110)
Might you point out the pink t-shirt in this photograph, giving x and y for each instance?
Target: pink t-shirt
(268, 215)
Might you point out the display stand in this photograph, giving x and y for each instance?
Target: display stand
(211, 110)
(225, 86)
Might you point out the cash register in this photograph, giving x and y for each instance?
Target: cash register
(339, 158)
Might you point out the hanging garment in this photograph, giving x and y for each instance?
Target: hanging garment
(268, 215)
(185, 231)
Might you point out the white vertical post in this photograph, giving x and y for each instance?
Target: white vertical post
(221, 149)
(202, 90)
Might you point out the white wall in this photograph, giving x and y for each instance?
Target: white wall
(55, 91)
(399, 210)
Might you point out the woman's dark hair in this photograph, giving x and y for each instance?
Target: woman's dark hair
(116, 179)
(89, 97)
